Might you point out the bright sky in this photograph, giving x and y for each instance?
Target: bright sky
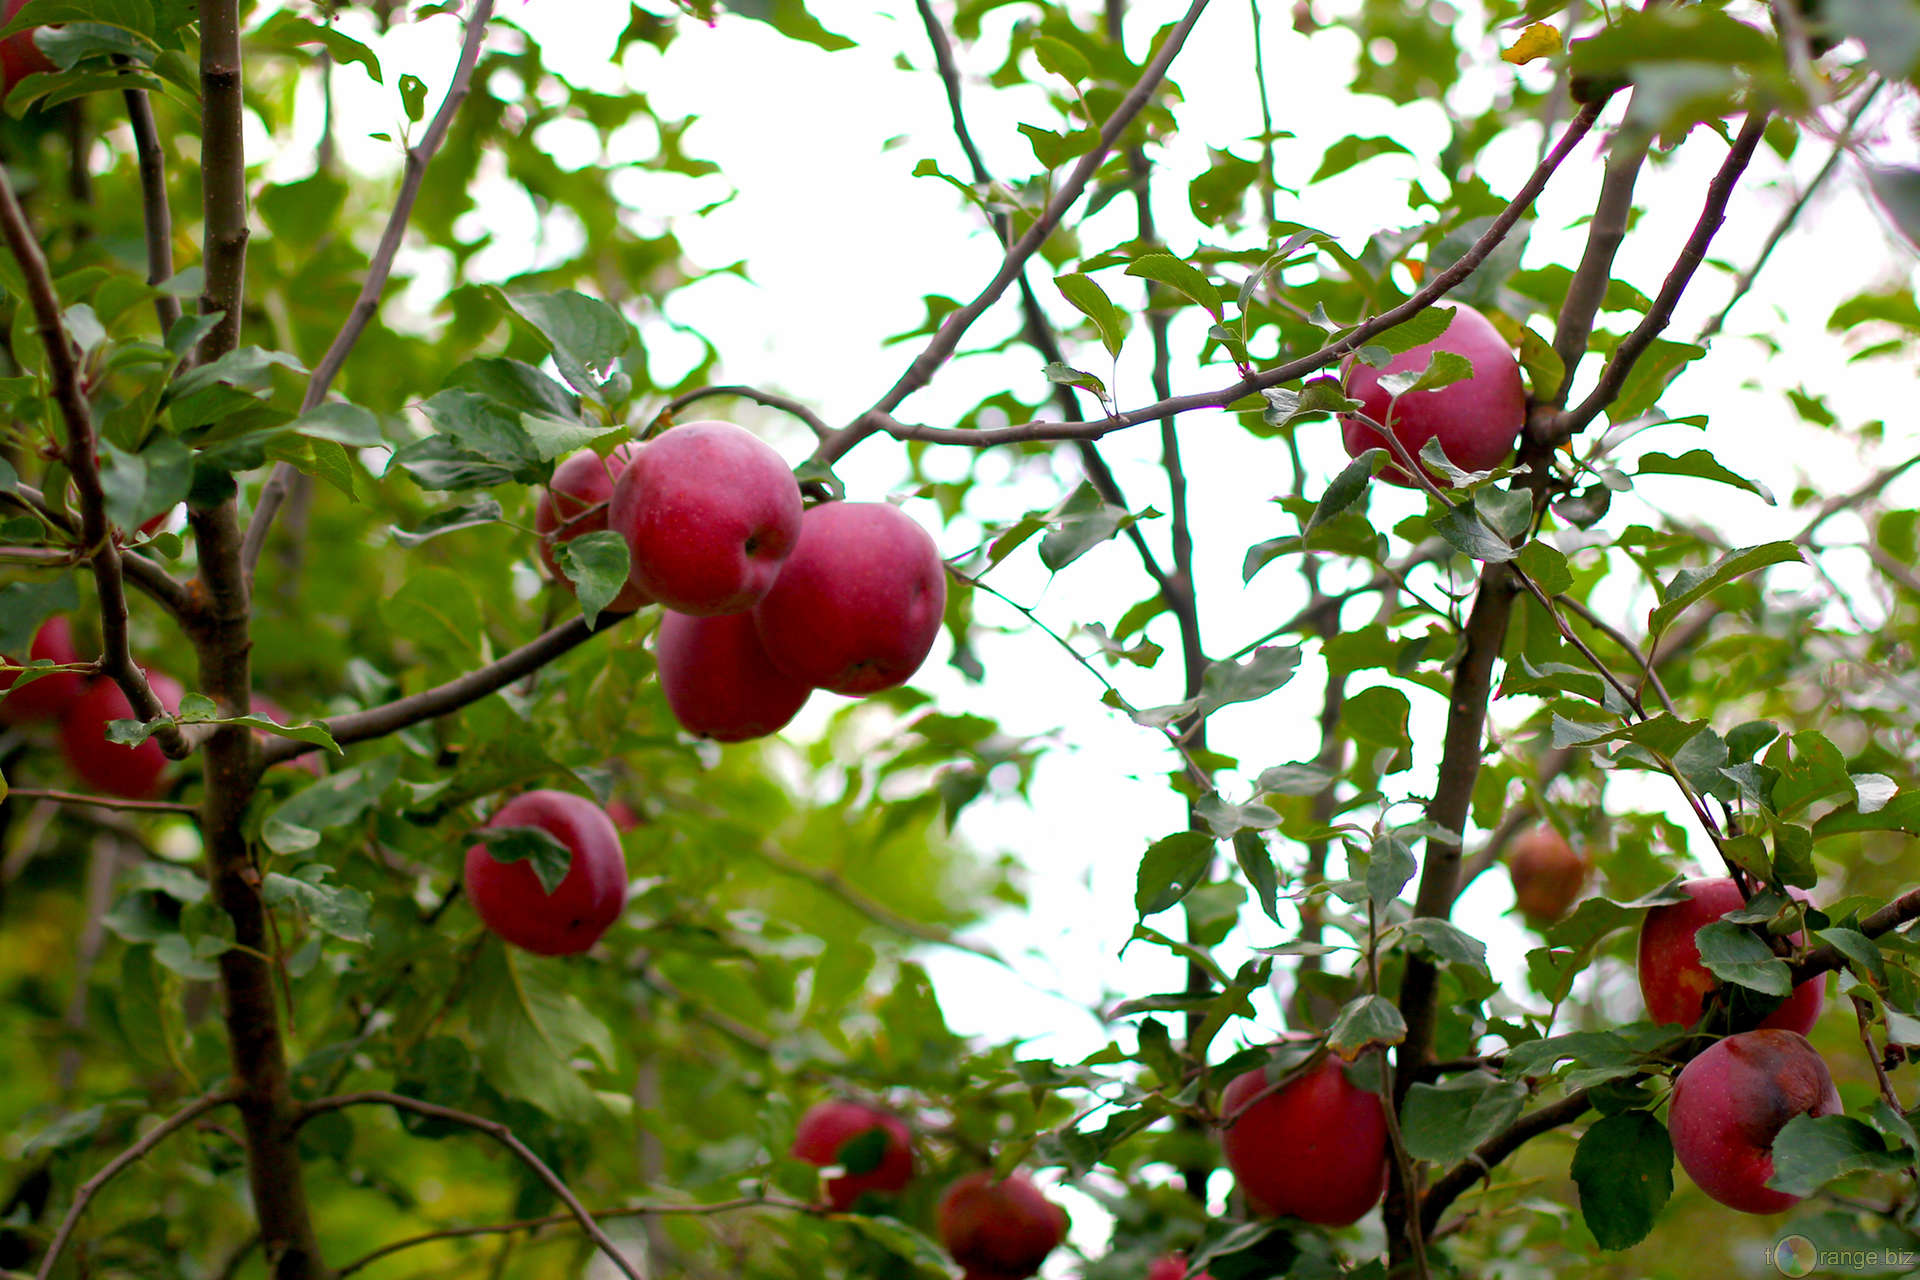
(841, 242)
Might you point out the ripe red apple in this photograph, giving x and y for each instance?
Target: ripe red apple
(1477, 419)
(48, 697)
(718, 679)
(857, 605)
(1315, 1148)
(579, 484)
(623, 814)
(1173, 1267)
(999, 1230)
(709, 511)
(1548, 874)
(1732, 1101)
(131, 772)
(881, 1162)
(20, 57)
(512, 901)
(1673, 981)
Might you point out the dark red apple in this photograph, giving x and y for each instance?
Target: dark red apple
(881, 1162)
(999, 1230)
(20, 57)
(1732, 1101)
(1314, 1148)
(709, 512)
(1674, 982)
(581, 483)
(719, 680)
(1548, 874)
(514, 904)
(858, 604)
(48, 697)
(1477, 419)
(130, 772)
(1173, 1267)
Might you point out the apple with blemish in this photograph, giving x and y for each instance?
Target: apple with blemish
(1548, 874)
(512, 901)
(47, 697)
(1675, 983)
(858, 604)
(1732, 1101)
(873, 1147)
(999, 1230)
(1312, 1147)
(129, 772)
(719, 681)
(709, 512)
(1477, 419)
(575, 502)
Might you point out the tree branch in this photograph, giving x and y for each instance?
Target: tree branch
(499, 1133)
(1614, 376)
(153, 201)
(1454, 1182)
(1588, 289)
(786, 404)
(101, 802)
(881, 419)
(377, 722)
(418, 157)
(114, 1167)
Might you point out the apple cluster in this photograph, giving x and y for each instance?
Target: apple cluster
(764, 600)
(994, 1228)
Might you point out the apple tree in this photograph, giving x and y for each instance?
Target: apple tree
(487, 771)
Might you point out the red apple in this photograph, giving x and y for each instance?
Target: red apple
(623, 814)
(1732, 1101)
(719, 680)
(131, 772)
(709, 511)
(1173, 1267)
(857, 605)
(48, 697)
(1673, 981)
(581, 483)
(1314, 1148)
(1548, 874)
(882, 1161)
(20, 57)
(999, 1230)
(1477, 419)
(512, 901)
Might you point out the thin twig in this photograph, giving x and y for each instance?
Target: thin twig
(947, 339)
(556, 1219)
(1588, 289)
(501, 1134)
(786, 404)
(114, 1167)
(377, 722)
(1863, 1013)
(831, 881)
(102, 802)
(378, 269)
(153, 201)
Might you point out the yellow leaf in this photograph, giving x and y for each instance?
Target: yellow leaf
(1537, 41)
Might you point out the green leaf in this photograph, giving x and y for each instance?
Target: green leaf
(537, 846)
(530, 1029)
(1446, 943)
(1443, 369)
(1861, 953)
(139, 486)
(1266, 669)
(1170, 869)
(1735, 954)
(1350, 151)
(1256, 864)
(1812, 1151)
(556, 437)
(1468, 533)
(1379, 715)
(1896, 188)
(1624, 1169)
(1889, 34)
(1180, 276)
(1701, 464)
(1690, 585)
(903, 1241)
(1078, 525)
(1347, 489)
(339, 910)
(1061, 59)
(1316, 396)
(471, 514)
(1445, 1122)
(1546, 566)
(342, 423)
(1092, 301)
(1364, 1022)
(337, 800)
(597, 564)
(1389, 867)
(587, 337)
(791, 19)
(437, 609)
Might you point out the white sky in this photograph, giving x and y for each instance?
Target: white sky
(841, 242)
